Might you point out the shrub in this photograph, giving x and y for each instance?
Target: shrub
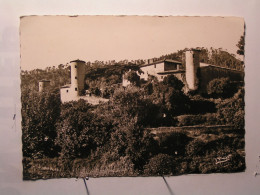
(130, 103)
(206, 119)
(40, 112)
(176, 102)
(173, 82)
(168, 94)
(239, 119)
(187, 120)
(195, 147)
(81, 130)
(82, 92)
(173, 143)
(231, 111)
(161, 164)
(183, 168)
(131, 139)
(220, 87)
(96, 91)
(133, 77)
(211, 119)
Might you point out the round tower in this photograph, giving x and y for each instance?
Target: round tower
(192, 65)
(77, 76)
(43, 84)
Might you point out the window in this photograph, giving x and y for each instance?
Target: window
(161, 77)
(75, 66)
(67, 91)
(155, 66)
(76, 77)
(76, 89)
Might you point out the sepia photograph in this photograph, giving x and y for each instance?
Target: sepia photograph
(132, 96)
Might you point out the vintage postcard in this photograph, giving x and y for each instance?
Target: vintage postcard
(116, 96)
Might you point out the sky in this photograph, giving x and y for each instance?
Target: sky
(53, 40)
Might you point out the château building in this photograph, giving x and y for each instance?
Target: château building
(194, 74)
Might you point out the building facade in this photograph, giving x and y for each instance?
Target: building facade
(194, 74)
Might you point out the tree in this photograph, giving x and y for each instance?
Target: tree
(132, 140)
(130, 113)
(58, 77)
(224, 59)
(133, 77)
(241, 45)
(174, 82)
(131, 103)
(96, 91)
(220, 87)
(169, 96)
(40, 112)
(81, 130)
(161, 164)
(232, 110)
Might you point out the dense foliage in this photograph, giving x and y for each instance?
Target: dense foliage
(220, 87)
(40, 113)
(232, 110)
(241, 46)
(104, 76)
(161, 164)
(57, 77)
(80, 130)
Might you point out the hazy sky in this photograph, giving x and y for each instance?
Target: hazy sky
(53, 40)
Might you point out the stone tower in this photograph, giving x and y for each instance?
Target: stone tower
(192, 65)
(77, 77)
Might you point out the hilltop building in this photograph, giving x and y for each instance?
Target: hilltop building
(71, 91)
(160, 68)
(194, 74)
(74, 91)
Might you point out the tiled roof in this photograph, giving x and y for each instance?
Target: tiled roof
(66, 86)
(160, 61)
(78, 61)
(173, 61)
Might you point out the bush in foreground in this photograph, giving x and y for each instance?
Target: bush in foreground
(161, 164)
(173, 143)
(220, 87)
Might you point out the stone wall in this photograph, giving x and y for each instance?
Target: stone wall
(210, 72)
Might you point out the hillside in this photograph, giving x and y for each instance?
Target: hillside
(147, 128)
